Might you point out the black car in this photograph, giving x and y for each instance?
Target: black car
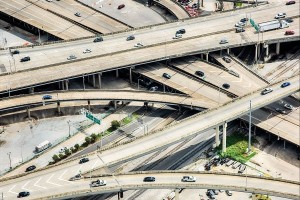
(83, 160)
(15, 52)
(30, 168)
(24, 59)
(130, 37)
(289, 20)
(199, 73)
(226, 86)
(98, 39)
(290, 2)
(244, 20)
(165, 75)
(181, 31)
(23, 194)
(228, 193)
(149, 179)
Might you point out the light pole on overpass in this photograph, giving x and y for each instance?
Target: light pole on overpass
(249, 142)
(9, 160)
(69, 128)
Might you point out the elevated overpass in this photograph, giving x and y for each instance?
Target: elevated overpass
(148, 143)
(174, 7)
(116, 95)
(42, 19)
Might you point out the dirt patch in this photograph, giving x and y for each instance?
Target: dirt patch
(2, 142)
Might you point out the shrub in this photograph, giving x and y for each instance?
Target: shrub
(73, 150)
(61, 156)
(94, 137)
(67, 152)
(115, 124)
(76, 146)
(55, 158)
(88, 140)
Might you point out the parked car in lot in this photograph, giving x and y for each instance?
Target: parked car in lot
(242, 169)
(288, 106)
(236, 165)
(149, 179)
(23, 194)
(199, 73)
(289, 32)
(30, 168)
(223, 41)
(98, 39)
(121, 6)
(280, 15)
(266, 91)
(139, 44)
(72, 57)
(281, 111)
(76, 177)
(290, 2)
(226, 59)
(167, 76)
(98, 183)
(230, 162)
(285, 84)
(130, 37)
(84, 160)
(47, 96)
(24, 59)
(210, 194)
(188, 179)
(87, 51)
(229, 193)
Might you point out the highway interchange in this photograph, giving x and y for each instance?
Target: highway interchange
(49, 64)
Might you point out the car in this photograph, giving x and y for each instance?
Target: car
(288, 106)
(229, 193)
(266, 91)
(15, 52)
(149, 179)
(154, 88)
(87, 51)
(242, 169)
(130, 37)
(244, 19)
(215, 191)
(77, 14)
(72, 57)
(98, 39)
(98, 183)
(240, 24)
(188, 179)
(23, 194)
(30, 168)
(25, 59)
(139, 44)
(289, 32)
(226, 59)
(199, 73)
(289, 20)
(230, 162)
(223, 41)
(290, 2)
(47, 96)
(177, 36)
(84, 160)
(180, 31)
(210, 194)
(285, 84)
(121, 6)
(165, 75)
(49, 0)
(239, 30)
(280, 15)
(281, 111)
(76, 177)
(226, 86)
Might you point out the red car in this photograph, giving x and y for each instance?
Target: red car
(290, 2)
(121, 6)
(289, 32)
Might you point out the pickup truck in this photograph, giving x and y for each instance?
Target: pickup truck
(98, 183)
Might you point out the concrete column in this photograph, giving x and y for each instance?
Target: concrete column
(94, 80)
(283, 144)
(267, 49)
(146, 104)
(278, 48)
(217, 136)
(224, 137)
(28, 112)
(67, 84)
(89, 105)
(164, 87)
(117, 73)
(207, 57)
(58, 107)
(59, 87)
(115, 105)
(228, 51)
(254, 131)
(256, 51)
(99, 80)
(269, 137)
(179, 109)
(176, 194)
(201, 56)
(130, 75)
(31, 90)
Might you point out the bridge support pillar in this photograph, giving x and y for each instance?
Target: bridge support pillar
(228, 51)
(115, 105)
(207, 57)
(94, 80)
(267, 56)
(99, 80)
(31, 90)
(176, 194)
(164, 88)
(278, 48)
(117, 73)
(89, 105)
(217, 136)
(201, 56)
(256, 52)
(67, 84)
(83, 82)
(28, 112)
(130, 75)
(283, 144)
(224, 137)
(179, 108)
(58, 107)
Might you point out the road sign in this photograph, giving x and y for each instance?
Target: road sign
(94, 119)
(254, 25)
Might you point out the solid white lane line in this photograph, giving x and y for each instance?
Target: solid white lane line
(51, 182)
(36, 184)
(10, 190)
(23, 187)
(95, 164)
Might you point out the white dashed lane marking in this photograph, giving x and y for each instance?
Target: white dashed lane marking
(36, 184)
(48, 181)
(10, 190)
(23, 187)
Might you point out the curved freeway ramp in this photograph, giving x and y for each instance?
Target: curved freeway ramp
(174, 8)
(118, 95)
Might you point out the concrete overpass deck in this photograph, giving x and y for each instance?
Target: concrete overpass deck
(174, 8)
(42, 19)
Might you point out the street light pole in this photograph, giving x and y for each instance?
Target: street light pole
(9, 159)
(69, 128)
(249, 142)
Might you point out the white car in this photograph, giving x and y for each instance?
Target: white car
(87, 51)
(98, 183)
(280, 15)
(188, 179)
(240, 24)
(177, 36)
(72, 57)
(288, 106)
(139, 44)
(49, 0)
(77, 177)
(266, 91)
(281, 111)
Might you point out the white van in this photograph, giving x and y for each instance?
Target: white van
(41, 147)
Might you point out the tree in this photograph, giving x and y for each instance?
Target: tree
(67, 152)
(88, 140)
(61, 156)
(55, 158)
(76, 146)
(115, 124)
(73, 150)
(93, 137)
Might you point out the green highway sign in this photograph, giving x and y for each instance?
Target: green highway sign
(254, 25)
(94, 119)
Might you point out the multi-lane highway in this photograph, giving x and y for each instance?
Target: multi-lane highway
(151, 142)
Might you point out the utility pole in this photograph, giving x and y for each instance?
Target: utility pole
(9, 160)
(69, 128)
(249, 142)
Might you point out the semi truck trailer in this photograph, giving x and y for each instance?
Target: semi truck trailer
(272, 25)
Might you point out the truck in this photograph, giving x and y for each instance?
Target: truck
(271, 25)
(41, 147)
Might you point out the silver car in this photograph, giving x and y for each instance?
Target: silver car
(72, 57)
